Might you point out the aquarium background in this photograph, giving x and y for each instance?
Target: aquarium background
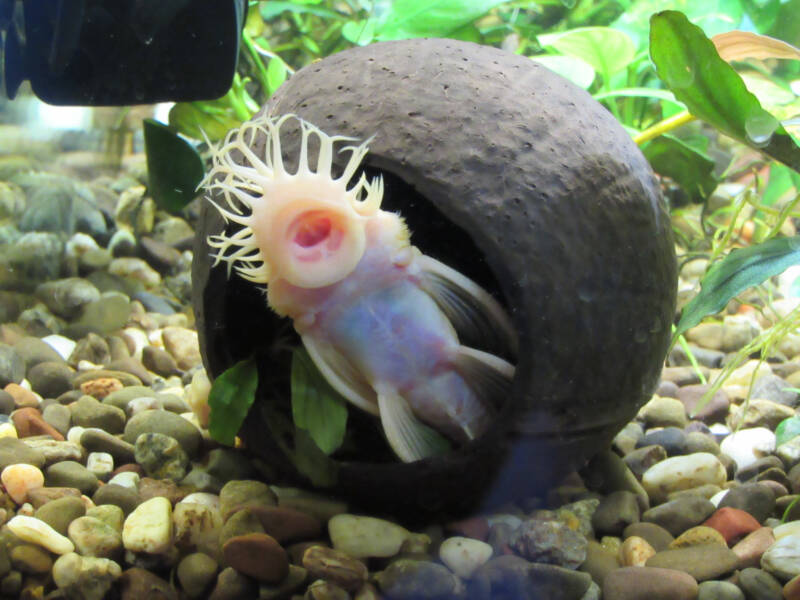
(121, 469)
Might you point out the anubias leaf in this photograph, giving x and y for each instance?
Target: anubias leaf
(787, 429)
(173, 166)
(316, 407)
(231, 396)
(741, 269)
(687, 61)
(690, 169)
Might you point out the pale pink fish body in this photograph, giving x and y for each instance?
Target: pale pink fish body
(378, 318)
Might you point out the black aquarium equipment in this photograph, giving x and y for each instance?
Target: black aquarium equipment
(121, 52)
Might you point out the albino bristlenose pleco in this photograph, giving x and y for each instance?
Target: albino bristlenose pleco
(381, 320)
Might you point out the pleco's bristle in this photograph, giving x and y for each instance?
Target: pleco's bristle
(246, 180)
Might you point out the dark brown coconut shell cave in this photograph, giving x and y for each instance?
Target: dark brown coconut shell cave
(522, 181)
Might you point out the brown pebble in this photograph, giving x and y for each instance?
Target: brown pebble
(166, 488)
(22, 397)
(257, 555)
(287, 524)
(41, 496)
(635, 583)
(752, 546)
(476, 528)
(336, 567)
(128, 467)
(29, 422)
(791, 591)
(139, 584)
(101, 387)
(697, 536)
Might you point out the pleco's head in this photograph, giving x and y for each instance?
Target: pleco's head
(306, 227)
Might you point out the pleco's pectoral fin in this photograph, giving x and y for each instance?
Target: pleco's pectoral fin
(409, 438)
(488, 375)
(341, 374)
(476, 315)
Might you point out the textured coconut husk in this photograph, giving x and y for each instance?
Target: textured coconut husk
(519, 179)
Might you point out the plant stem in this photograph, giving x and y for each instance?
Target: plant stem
(685, 345)
(663, 127)
(261, 70)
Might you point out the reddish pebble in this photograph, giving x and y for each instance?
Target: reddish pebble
(476, 528)
(752, 546)
(287, 524)
(40, 496)
(257, 555)
(22, 397)
(101, 387)
(132, 467)
(791, 591)
(732, 523)
(29, 422)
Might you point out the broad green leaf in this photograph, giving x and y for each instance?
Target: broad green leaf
(688, 63)
(769, 93)
(174, 168)
(360, 33)
(430, 18)
(231, 396)
(787, 430)
(690, 169)
(741, 269)
(316, 407)
(606, 50)
(782, 179)
(271, 9)
(202, 119)
(311, 461)
(578, 71)
(276, 74)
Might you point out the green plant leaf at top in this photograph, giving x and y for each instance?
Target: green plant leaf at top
(578, 71)
(173, 166)
(741, 269)
(606, 50)
(787, 429)
(231, 396)
(316, 407)
(430, 18)
(690, 169)
(687, 61)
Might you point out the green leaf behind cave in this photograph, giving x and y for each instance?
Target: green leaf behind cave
(689, 168)
(231, 396)
(317, 408)
(174, 167)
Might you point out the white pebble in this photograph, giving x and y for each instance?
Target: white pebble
(746, 446)
(782, 559)
(63, 345)
(100, 463)
(74, 434)
(204, 498)
(464, 555)
(149, 527)
(31, 529)
(363, 537)
(785, 529)
(144, 403)
(128, 479)
(197, 396)
(717, 498)
(682, 473)
(139, 339)
(8, 430)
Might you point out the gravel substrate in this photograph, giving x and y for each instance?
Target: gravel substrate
(113, 489)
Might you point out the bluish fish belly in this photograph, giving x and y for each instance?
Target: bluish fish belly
(393, 336)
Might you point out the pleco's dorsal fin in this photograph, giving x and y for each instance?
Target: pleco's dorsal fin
(409, 438)
(476, 315)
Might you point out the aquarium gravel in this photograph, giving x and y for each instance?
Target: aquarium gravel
(112, 487)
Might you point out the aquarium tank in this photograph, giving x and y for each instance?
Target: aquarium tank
(400, 299)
